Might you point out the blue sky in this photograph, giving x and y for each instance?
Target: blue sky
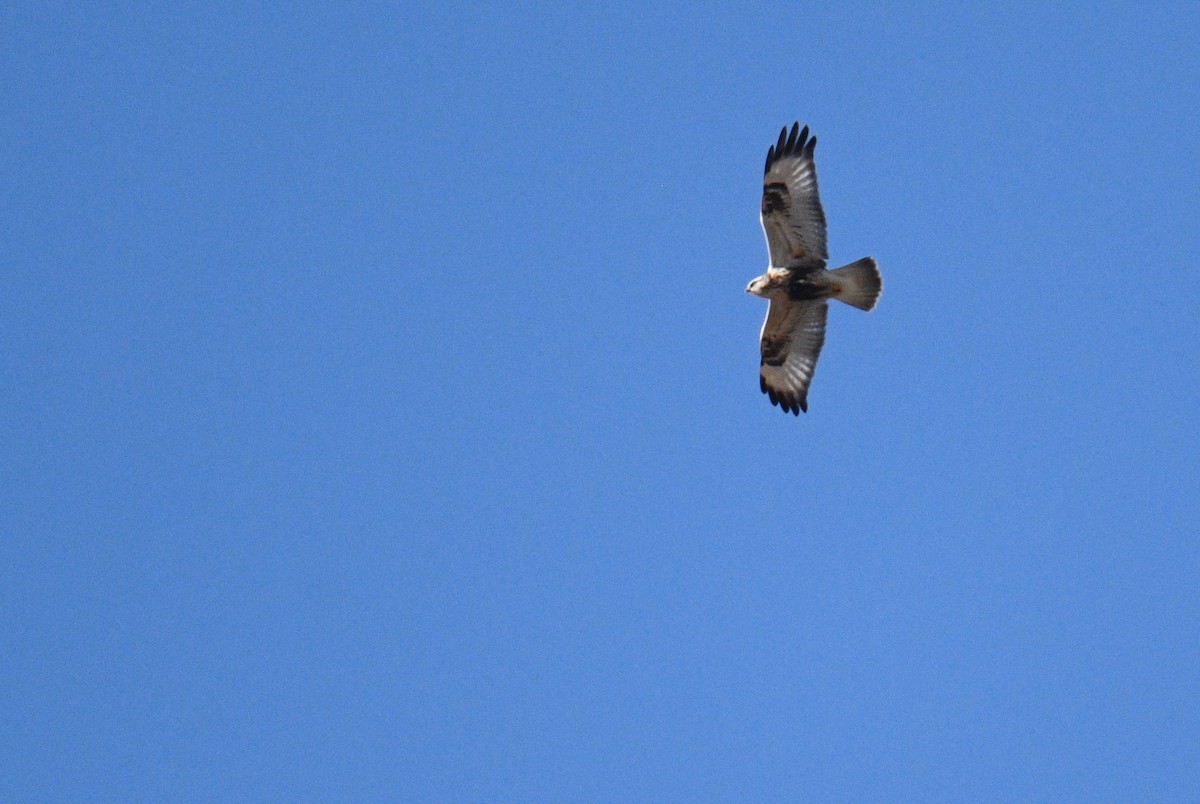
(381, 414)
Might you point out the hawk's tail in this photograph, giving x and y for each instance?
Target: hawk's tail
(858, 284)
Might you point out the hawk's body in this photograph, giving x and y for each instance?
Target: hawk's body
(797, 283)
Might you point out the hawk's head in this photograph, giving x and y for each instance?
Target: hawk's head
(764, 285)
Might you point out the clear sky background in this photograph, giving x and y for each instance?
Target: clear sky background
(381, 412)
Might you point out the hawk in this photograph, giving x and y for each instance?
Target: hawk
(796, 282)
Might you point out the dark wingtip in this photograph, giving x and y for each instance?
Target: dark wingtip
(787, 401)
(793, 141)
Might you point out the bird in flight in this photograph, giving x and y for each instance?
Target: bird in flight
(796, 282)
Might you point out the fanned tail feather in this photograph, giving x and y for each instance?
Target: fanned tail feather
(858, 284)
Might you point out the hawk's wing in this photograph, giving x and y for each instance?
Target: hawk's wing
(792, 217)
(791, 340)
